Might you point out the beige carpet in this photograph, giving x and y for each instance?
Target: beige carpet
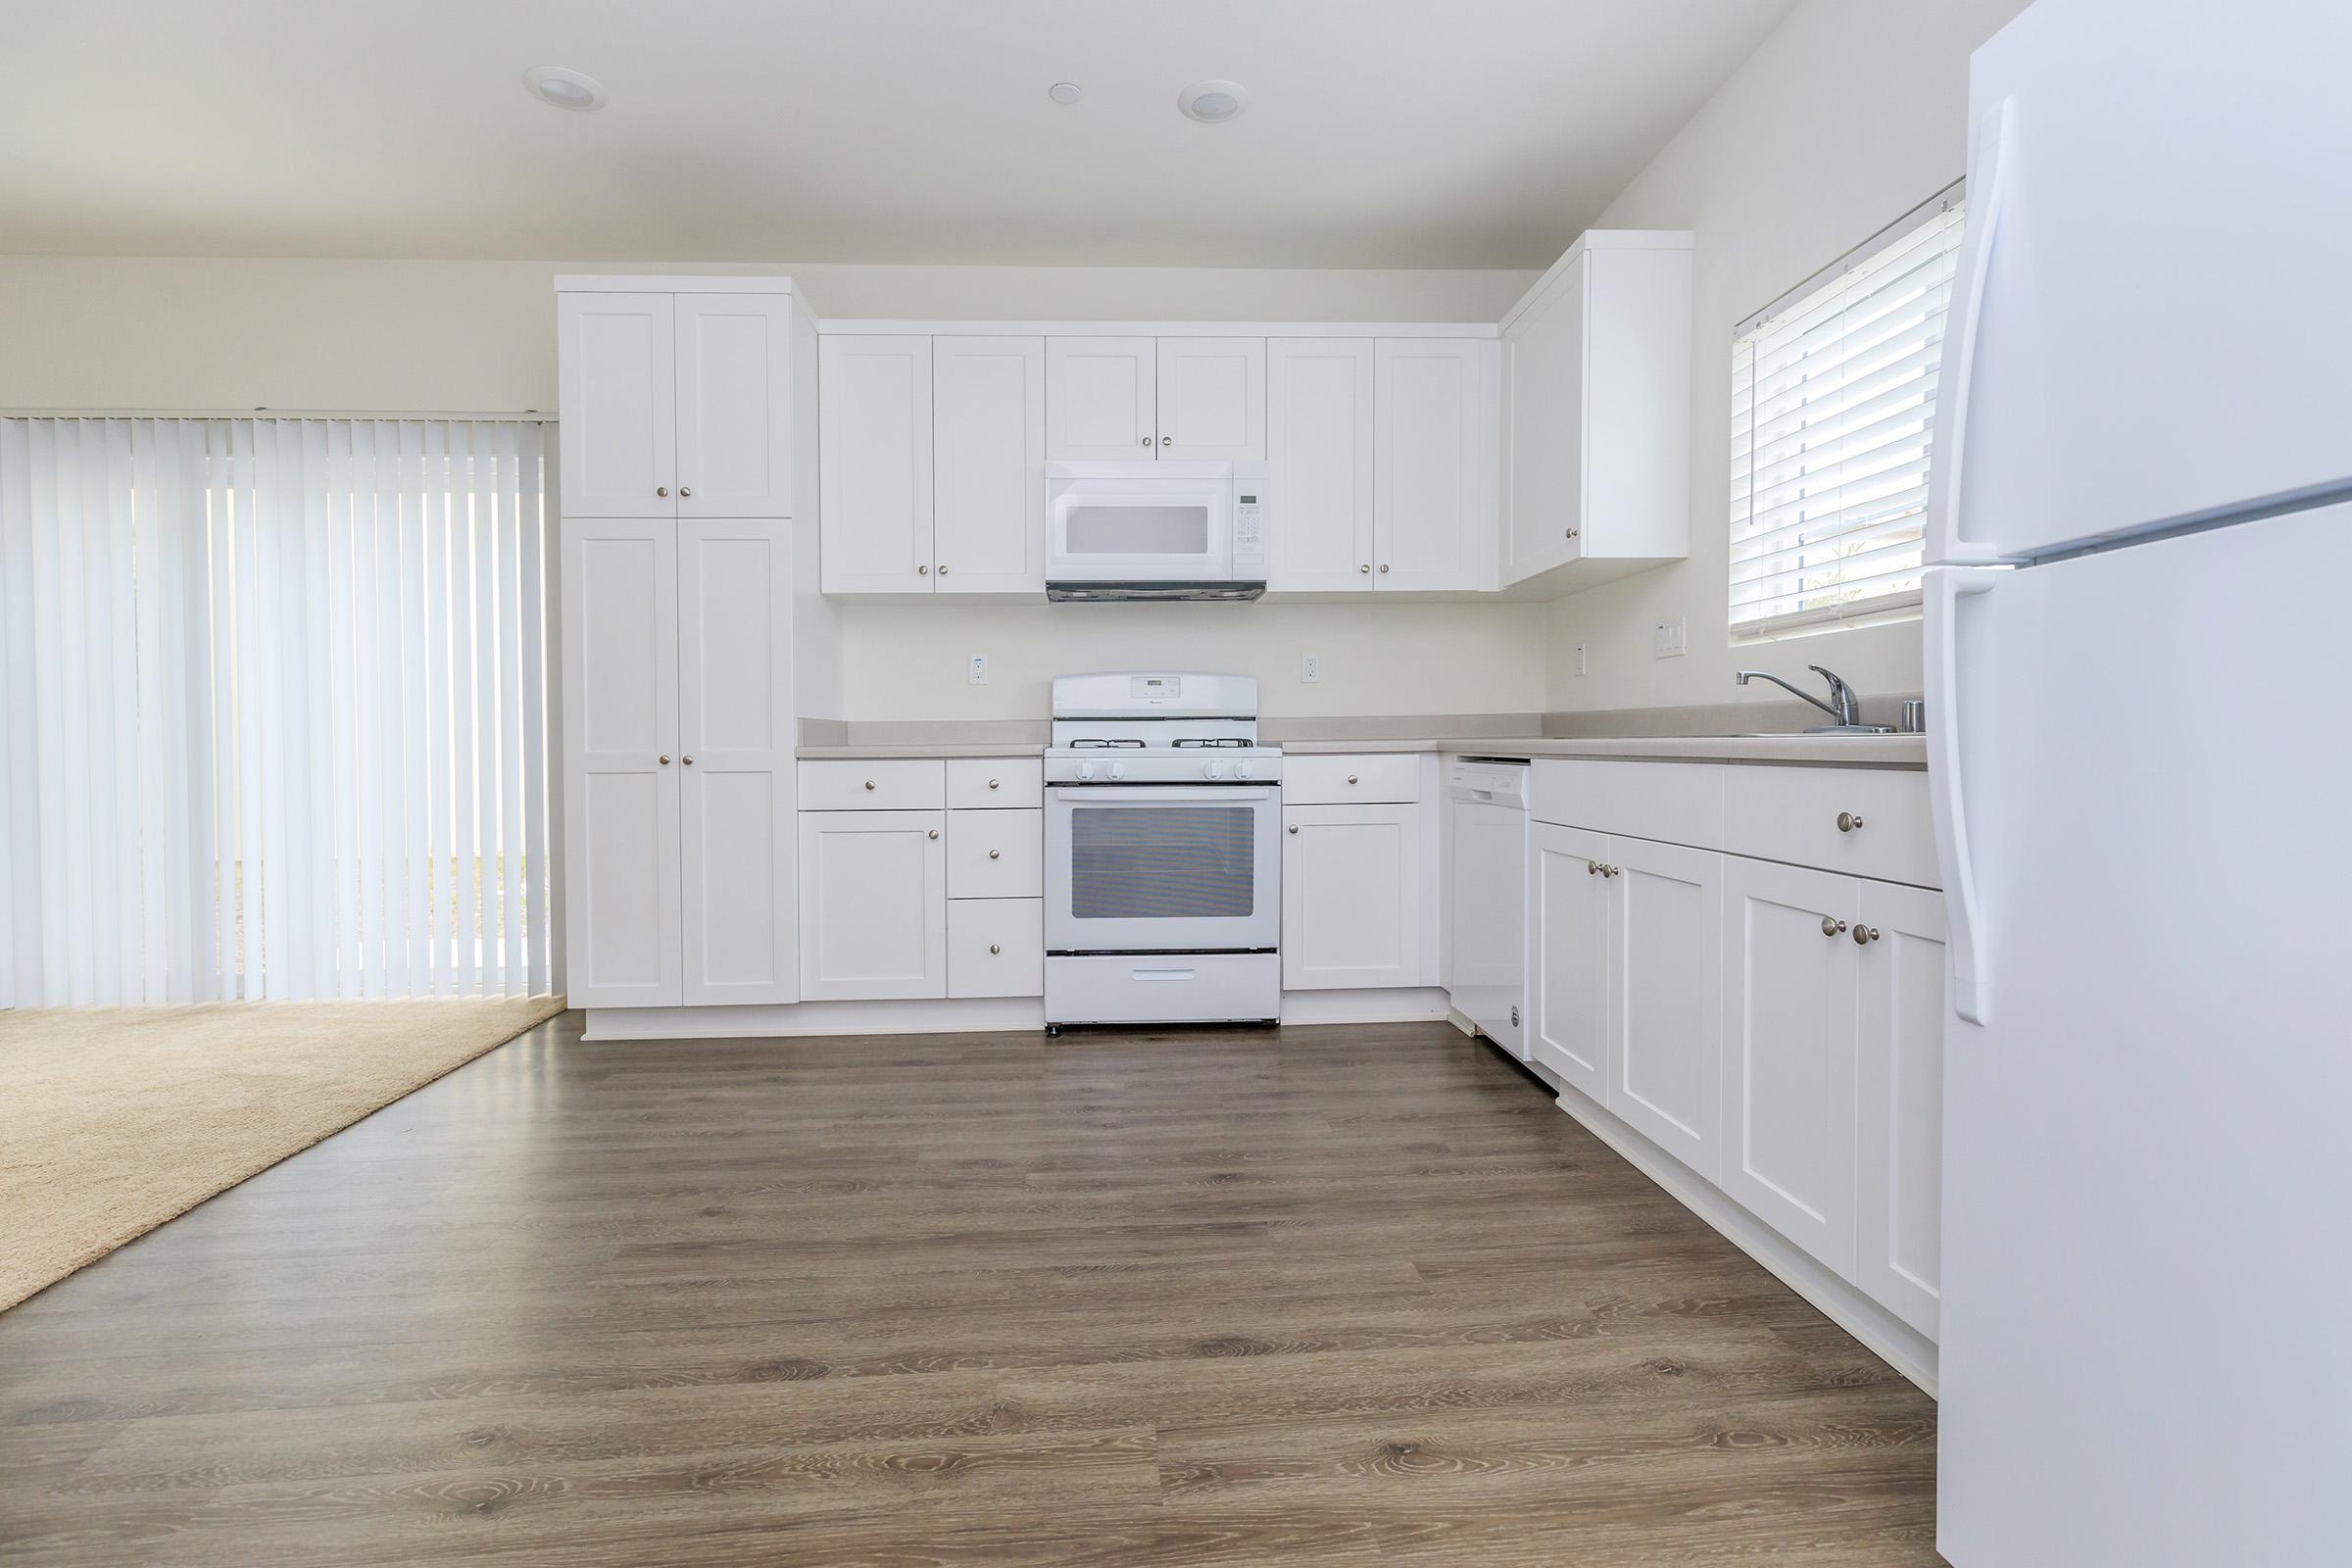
(114, 1119)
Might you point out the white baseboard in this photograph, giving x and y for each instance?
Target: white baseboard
(926, 1015)
(1393, 1004)
(1886, 1336)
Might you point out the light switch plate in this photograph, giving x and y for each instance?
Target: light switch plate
(1310, 667)
(1580, 658)
(1666, 638)
(977, 675)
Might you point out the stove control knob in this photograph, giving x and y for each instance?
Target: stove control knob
(1086, 771)
(1118, 770)
(1212, 769)
(1241, 770)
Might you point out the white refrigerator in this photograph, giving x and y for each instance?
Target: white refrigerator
(2138, 632)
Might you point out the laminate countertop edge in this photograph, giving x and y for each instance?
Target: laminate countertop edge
(1814, 751)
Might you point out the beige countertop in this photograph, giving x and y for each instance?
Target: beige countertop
(1820, 751)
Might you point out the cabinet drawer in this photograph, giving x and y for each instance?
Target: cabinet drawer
(916, 785)
(995, 781)
(1674, 803)
(995, 854)
(1792, 814)
(1391, 777)
(997, 948)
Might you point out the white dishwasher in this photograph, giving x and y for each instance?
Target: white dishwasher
(1488, 799)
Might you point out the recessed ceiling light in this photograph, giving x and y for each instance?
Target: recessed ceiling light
(565, 90)
(1066, 93)
(1213, 103)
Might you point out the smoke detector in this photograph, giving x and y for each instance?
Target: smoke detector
(1212, 102)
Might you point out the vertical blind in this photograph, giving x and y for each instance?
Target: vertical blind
(1833, 417)
(276, 710)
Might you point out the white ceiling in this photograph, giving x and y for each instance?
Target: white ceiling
(1381, 133)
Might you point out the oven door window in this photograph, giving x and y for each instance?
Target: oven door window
(1163, 862)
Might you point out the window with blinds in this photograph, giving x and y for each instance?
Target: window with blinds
(1832, 423)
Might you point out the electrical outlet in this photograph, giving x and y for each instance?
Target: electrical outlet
(1666, 638)
(977, 675)
(1310, 667)
(1580, 658)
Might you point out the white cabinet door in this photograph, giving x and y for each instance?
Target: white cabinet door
(873, 904)
(620, 784)
(1433, 479)
(1664, 1017)
(1543, 428)
(1789, 1052)
(1568, 955)
(734, 407)
(735, 738)
(1101, 397)
(1899, 1100)
(874, 476)
(1350, 896)
(988, 445)
(1319, 441)
(615, 371)
(1213, 398)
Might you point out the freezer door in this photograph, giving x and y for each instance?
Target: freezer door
(2145, 1188)
(2149, 320)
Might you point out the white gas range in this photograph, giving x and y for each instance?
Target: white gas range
(1163, 852)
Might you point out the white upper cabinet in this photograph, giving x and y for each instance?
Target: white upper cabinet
(1319, 444)
(675, 403)
(1597, 412)
(734, 404)
(1101, 399)
(617, 369)
(1213, 398)
(1433, 481)
(735, 770)
(875, 476)
(988, 445)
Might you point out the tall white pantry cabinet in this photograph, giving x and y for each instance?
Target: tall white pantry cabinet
(688, 417)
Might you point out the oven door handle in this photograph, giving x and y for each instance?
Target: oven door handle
(1136, 793)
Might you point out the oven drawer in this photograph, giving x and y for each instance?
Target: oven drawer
(995, 782)
(995, 854)
(1389, 778)
(1171, 988)
(919, 784)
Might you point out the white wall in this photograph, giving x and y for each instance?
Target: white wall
(909, 660)
(1852, 113)
(229, 334)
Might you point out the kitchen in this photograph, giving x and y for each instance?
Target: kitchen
(1606, 804)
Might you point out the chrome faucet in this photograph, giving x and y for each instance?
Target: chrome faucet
(1842, 706)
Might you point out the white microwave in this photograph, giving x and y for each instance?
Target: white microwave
(1155, 530)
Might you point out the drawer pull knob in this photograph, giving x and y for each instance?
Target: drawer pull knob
(995, 946)
(1847, 821)
(1294, 827)
(992, 783)
(1865, 935)
(935, 832)
(1351, 778)
(995, 854)
(869, 783)
(1830, 926)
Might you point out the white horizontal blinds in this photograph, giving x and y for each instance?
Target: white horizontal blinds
(276, 710)
(1833, 418)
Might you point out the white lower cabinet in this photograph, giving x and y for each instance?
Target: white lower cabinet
(1666, 931)
(1898, 1076)
(1569, 969)
(873, 904)
(1350, 896)
(1789, 1009)
(995, 946)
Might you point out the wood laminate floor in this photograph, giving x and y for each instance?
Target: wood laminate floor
(1349, 1294)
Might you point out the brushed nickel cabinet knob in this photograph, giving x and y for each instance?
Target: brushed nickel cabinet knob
(1167, 440)
(1294, 827)
(1847, 821)
(662, 490)
(1366, 566)
(995, 946)
(1351, 778)
(995, 854)
(869, 783)
(935, 832)
(923, 572)
(1592, 866)
(1384, 568)
(1830, 926)
(685, 490)
(688, 761)
(992, 783)
(664, 761)
(943, 572)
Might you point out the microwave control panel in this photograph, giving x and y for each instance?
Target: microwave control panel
(1248, 528)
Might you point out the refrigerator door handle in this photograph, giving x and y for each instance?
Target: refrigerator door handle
(1945, 587)
(1986, 194)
